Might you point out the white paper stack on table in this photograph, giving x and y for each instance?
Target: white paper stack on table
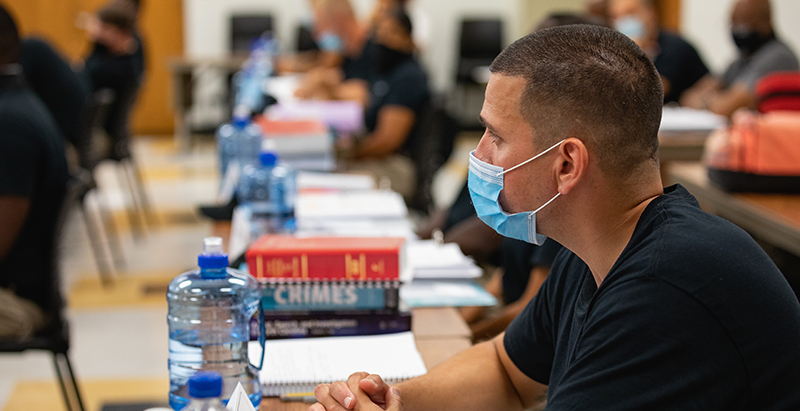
(303, 144)
(361, 213)
(429, 260)
(687, 119)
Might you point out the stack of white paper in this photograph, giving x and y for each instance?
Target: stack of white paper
(430, 260)
(686, 119)
(430, 293)
(334, 182)
(355, 205)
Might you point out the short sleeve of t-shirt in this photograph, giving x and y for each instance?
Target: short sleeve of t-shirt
(17, 172)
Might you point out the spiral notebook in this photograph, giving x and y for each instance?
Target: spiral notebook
(298, 365)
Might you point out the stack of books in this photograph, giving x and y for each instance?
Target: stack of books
(330, 286)
(303, 144)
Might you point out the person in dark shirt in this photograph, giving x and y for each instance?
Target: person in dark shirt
(116, 63)
(761, 53)
(348, 61)
(523, 269)
(652, 305)
(397, 97)
(678, 63)
(59, 88)
(33, 178)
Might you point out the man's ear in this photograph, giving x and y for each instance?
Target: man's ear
(574, 161)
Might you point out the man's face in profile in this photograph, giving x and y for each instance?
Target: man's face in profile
(508, 141)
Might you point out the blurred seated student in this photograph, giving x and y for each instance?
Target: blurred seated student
(524, 267)
(116, 62)
(396, 99)
(421, 32)
(347, 64)
(678, 63)
(33, 179)
(761, 53)
(49, 75)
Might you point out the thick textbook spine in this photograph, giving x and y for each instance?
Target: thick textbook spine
(329, 266)
(329, 296)
(280, 325)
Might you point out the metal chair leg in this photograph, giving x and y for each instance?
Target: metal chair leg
(60, 377)
(137, 226)
(97, 246)
(139, 183)
(110, 231)
(72, 378)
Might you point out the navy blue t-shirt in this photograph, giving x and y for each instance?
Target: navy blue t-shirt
(518, 259)
(692, 316)
(406, 85)
(679, 63)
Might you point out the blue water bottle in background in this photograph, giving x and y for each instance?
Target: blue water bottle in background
(209, 316)
(248, 137)
(204, 390)
(269, 190)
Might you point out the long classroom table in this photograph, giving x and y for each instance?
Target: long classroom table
(439, 333)
(774, 218)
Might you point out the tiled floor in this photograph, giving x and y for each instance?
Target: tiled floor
(119, 333)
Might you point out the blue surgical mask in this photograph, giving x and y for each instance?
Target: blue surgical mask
(630, 26)
(330, 42)
(485, 184)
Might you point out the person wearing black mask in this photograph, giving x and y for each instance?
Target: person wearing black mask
(396, 99)
(761, 53)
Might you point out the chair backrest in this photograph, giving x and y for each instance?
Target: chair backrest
(305, 39)
(93, 116)
(246, 28)
(430, 148)
(779, 92)
(481, 39)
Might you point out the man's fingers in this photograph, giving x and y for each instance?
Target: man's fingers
(342, 394)
(393, 400)
(374, 386)
(325, 399)
(316, 407)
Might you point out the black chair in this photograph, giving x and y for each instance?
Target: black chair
(480, 41)
(430, 148)
(246, 28)
(93, 118)
(55, 338)
(117, 126)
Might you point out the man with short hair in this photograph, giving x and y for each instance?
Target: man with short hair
(655, 305)
(33, 177)
(761, 53)
(678, 63)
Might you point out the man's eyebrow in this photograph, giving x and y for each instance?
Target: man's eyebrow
(486, 124)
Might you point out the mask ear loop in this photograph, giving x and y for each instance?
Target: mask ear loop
(531, 159)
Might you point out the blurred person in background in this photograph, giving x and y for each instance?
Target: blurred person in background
(761, 53)
(678, 63)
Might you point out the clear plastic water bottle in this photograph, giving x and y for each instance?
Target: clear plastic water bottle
(210, 310)
(204, 390)
(269, 189)
(239, 142)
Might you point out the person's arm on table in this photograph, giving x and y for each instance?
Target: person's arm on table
(393, 126)
(480, 378)
(13, 212)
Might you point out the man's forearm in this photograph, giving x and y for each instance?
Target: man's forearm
(471, 380)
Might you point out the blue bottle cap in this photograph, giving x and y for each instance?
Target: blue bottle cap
(212, 257)
(205, 384)
(268, 158)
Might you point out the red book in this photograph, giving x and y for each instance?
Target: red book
(325, 258)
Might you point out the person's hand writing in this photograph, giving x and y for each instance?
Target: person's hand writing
(362, 391)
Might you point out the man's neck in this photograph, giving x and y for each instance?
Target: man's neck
(354, 43)
(602, 235)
